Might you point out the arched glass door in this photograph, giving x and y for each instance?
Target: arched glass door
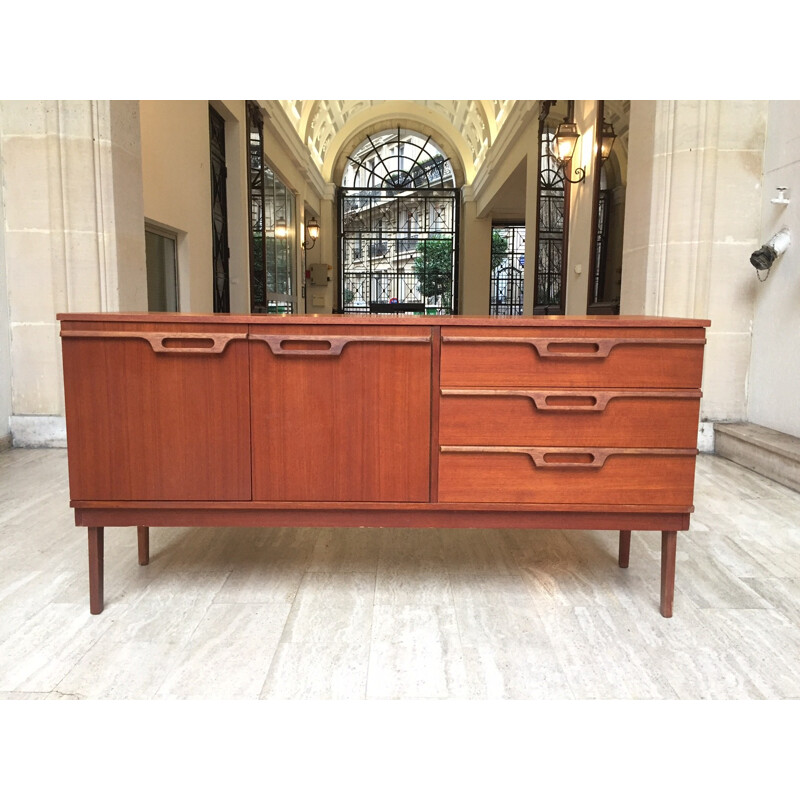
(398, 222)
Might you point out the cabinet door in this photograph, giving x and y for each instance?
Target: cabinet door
(341, 413)
(157, 411)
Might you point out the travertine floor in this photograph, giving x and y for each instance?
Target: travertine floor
(358, 613)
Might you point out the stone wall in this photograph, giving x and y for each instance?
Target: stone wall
(73, 240)
(692, 220)
(774, 378)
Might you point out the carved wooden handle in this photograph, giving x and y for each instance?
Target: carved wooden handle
(182, 342)
(559, 400)
(547, 457)
(314, 345)
(570, 347)
(570, 400)
(574, 348)
(570, 457)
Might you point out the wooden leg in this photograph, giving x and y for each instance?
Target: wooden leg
(144, 545)
(95, 570)
(624, 548)
(669, 541)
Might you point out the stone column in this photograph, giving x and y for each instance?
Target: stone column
(581, 239)
(476, 261)
(5, 340)
(691, 222)
(531, 220)
(73, 236)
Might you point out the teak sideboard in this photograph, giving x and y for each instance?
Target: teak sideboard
(585, 423)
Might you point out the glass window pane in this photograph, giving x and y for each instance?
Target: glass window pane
(162, 271)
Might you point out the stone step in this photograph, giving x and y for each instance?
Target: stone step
(770, 453)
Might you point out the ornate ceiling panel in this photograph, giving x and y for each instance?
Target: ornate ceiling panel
(321, 122)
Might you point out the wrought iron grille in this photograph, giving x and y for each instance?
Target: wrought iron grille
(219, 213)
(271, 257)
(398, 222)
(550, 257)
(398, 159)
(258, 242)
(601, 248)
(506, 281)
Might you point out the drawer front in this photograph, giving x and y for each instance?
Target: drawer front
(566, 475)
(579, 357)
(569, 417)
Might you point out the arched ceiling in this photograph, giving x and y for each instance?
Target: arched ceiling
(465, 129)
(476, 135)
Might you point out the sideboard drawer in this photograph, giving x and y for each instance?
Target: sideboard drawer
(573, 357)
(578, 417)
(567, 475)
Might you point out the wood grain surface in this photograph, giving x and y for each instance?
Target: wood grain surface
(157, 425)
(351, 426)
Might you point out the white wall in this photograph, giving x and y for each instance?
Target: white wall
(177, 189)
(774, 380)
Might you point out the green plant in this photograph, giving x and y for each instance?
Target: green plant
(433, 266)
(499, 249)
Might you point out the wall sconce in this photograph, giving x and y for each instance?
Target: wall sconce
(312, 230)
(607, 139)
(564, 145)
(281, 231)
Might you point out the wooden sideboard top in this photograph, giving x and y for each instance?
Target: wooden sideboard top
(611, 321)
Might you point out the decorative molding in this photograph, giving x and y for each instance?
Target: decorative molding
(324, 128)
(276, 116)
(520, 115)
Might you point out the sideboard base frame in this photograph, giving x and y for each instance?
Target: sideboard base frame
(96, 519)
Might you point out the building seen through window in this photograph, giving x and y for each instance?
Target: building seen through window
(399, 222)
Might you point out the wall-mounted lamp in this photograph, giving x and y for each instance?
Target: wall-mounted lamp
(607, 139)
(564, 145)
(281, 231)
(312, 230)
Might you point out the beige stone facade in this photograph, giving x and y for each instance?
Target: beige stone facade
(72, 240)
(696, 179)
